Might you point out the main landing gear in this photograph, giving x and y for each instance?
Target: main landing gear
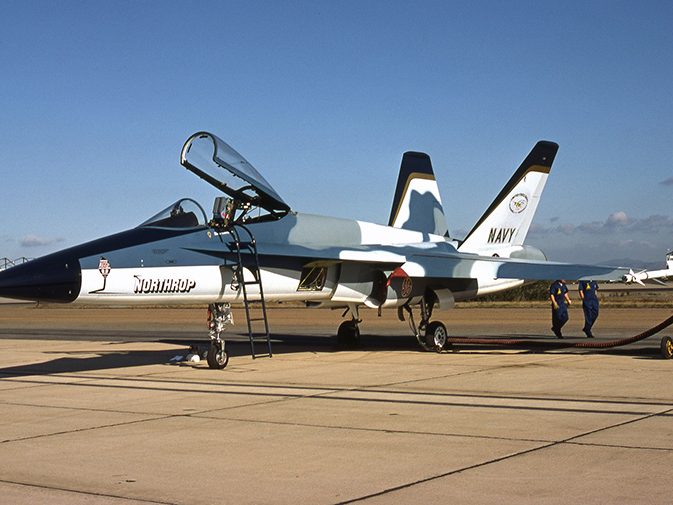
(219, 315)
(435, 336)
(348, 333)
(431, 335)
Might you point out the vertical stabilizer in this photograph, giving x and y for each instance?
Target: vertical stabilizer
(506, 222)
(417, 205)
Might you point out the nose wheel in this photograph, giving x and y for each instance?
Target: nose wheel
(219, 315)
(217, 356)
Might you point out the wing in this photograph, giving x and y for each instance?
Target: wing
(464, 266)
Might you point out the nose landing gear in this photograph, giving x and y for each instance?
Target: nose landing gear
(219, 316)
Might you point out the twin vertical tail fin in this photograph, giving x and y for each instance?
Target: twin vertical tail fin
(507, 221)
(417, 205)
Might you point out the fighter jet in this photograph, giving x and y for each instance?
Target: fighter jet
(254, 249)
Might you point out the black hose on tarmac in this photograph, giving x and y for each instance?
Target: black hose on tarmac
(560, 344)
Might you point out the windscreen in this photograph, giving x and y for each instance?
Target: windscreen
(185, 213)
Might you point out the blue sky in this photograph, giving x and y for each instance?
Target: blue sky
(97, 98)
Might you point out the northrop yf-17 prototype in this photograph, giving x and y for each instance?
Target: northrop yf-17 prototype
(254, 248)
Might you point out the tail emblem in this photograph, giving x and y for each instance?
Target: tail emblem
(518, 203)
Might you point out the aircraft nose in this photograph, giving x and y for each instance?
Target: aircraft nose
(52, 278)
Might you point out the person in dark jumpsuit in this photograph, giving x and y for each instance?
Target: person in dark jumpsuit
(558, 294)
(589, 295)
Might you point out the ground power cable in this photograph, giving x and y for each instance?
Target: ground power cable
(561, 344)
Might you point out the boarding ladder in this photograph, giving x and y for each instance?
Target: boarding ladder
(248, 249)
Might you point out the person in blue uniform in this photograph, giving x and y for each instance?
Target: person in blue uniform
(589, 295)
(558, 294)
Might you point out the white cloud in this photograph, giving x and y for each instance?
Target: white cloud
(655, 223)
(617, 219)
(618, 236)
(36, 241)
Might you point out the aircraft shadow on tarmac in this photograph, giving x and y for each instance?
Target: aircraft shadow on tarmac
(289, 344)
(532, 343)
(101, 361)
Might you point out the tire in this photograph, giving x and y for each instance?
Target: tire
(667, 347)
(348, 333)
(436, 335)
(217, 357)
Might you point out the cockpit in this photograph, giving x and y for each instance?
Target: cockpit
(250, 197)
(185, 213)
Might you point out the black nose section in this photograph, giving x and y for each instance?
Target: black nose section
(52, 278)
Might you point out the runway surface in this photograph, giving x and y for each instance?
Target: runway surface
(93, 411)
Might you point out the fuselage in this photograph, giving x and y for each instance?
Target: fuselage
(302, 257)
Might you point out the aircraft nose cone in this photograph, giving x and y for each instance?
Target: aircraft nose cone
(53, 278)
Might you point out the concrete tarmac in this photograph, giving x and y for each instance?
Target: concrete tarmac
(95, 412)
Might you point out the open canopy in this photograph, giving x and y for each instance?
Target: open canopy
(220, 165)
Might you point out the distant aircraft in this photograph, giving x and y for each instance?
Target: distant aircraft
(255, 248)
(652, 275)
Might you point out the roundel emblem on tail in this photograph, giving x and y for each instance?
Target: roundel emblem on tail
(518, 203)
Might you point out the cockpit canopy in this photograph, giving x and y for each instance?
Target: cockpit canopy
(220, 165)
(185, 213)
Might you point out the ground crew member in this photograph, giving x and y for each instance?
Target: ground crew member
(589, 295)
(558, 294)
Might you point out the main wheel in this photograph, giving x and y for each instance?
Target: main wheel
(348, 333)
(667, 347)
(435, 336)
(217, 356)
